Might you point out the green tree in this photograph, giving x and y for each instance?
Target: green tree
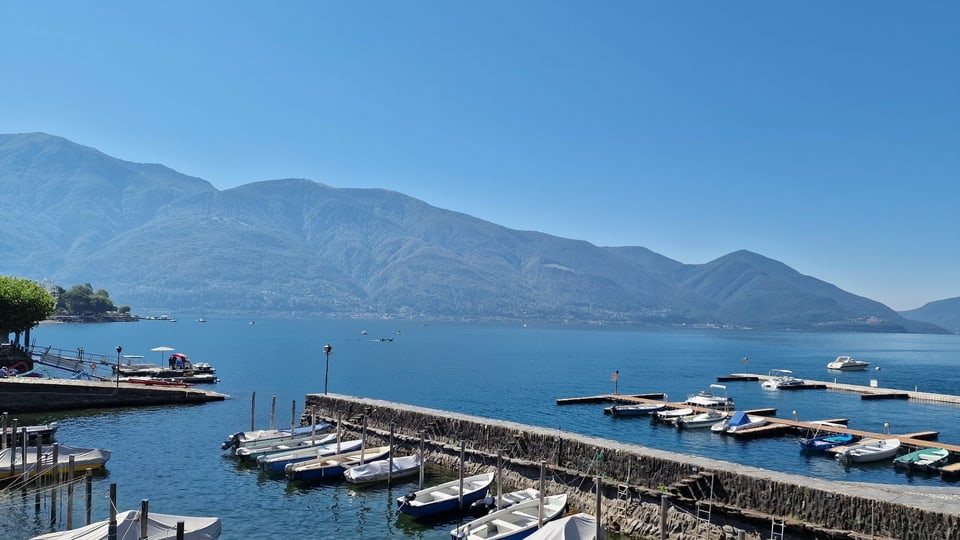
(82, 300)
(23, 304)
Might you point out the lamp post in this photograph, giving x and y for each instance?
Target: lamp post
(327, 349)
(119, 348)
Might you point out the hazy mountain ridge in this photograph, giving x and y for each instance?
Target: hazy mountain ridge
(157, 239)
(943, 313)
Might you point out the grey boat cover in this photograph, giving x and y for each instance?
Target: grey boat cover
(159, 527)
(576, 527)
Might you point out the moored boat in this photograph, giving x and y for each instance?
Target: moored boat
(326, 467)
(517, 521)
(263, 437)
(670, 416)
(869, 450)
(445, 497)
(780, 378)
(276, 463)
(711, 399)
(382, 469)
(634, 409)
(491, 503)
(825, 442)
(702, 420)
(129, 525)
(741, 421)
(291, 443)
(923, 460)
(84, 459)
(580, 526)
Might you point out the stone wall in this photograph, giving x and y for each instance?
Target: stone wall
(636, 480)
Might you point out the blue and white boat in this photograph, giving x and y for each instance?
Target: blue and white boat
(277, 463)
(263, 437)
(825, 442)
(383, 469)
(327, 467)
(445, 497)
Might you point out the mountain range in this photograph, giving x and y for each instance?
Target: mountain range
(162, 241)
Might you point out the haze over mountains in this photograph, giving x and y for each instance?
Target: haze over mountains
(161, 241)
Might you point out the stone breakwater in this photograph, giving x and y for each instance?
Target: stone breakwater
(637, 482)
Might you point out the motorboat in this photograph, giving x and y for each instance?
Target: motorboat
(291, 443)
(741, 421)
(445, 497)
(492, 503)
(634, 409)
(514, 522)
(263, 437)
(923, 460)
(129, 524)
(670, 416)
(825, 442)
(702, 420)
(780, 378)
(276, 463)
(383, 469)
(711, 399)
(846, 363)
(869, 450)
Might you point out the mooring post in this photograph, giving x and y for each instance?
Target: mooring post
(88, 503)
(363, 437)
(499, 484)
(273, 411)
(144, 518)
(180, 530)
(3, 428)
(339, 432)
(543, 469)
(71, 470)
(460, 494)
(293, 420)
(253, 411)
(422, 460)
(393, 426)
(599, 531)
(55, 483)
(112, 526)
(37, 473)
(663, 516)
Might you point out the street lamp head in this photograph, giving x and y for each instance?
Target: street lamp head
(327, 348)
(119, 349)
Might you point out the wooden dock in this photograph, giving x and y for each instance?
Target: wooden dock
(866, 392)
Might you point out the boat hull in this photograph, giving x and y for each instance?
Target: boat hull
(445, 497)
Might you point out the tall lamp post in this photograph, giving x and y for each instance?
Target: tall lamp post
(119, 349)
(327, 349)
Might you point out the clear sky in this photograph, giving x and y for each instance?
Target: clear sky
(822, 134)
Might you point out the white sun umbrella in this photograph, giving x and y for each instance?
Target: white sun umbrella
(162, 349)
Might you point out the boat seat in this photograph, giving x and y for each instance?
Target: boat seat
(505, 526)
(526, 515)
(438, 495)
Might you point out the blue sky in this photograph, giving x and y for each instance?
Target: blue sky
(825, 135)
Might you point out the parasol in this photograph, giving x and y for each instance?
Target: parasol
(161, 349)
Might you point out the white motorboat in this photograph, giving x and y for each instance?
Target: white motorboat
(780, 378)
(869, 450)
(846, 363)
(741, 421)
(711, 399)
(159, 527)
(670, 416)
(634, 409)
(516, 521)
(702, 420)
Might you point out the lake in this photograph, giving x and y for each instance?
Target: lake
(172, 456)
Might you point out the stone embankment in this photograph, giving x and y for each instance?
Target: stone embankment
(648, 493)
(30, 395)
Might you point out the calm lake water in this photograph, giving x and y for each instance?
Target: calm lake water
(172, 456)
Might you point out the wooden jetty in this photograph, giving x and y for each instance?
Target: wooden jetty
(866, 392)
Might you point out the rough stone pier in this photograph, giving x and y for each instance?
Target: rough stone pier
(704, 498)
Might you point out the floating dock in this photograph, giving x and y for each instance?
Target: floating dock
(866, 392)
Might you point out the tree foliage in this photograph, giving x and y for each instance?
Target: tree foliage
(23, 304)
(83, 300)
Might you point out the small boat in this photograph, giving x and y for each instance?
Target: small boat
(710, 399)
(377, 471)
(825, 442)
(780, 378)
(741, 421)
(326, 467)
(44, 431)
(869, 450)
(263, 437)
(159, 527)
(84, 459)
(671, 415)
(492, 503)
(445, 497)
(923, 460)
(702, 420)
(290, 443)
(846, 363)
(276, 463)
(576, 527)
(517, 521)
(634, 409)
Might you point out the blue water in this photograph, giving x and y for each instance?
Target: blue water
(172, 456)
